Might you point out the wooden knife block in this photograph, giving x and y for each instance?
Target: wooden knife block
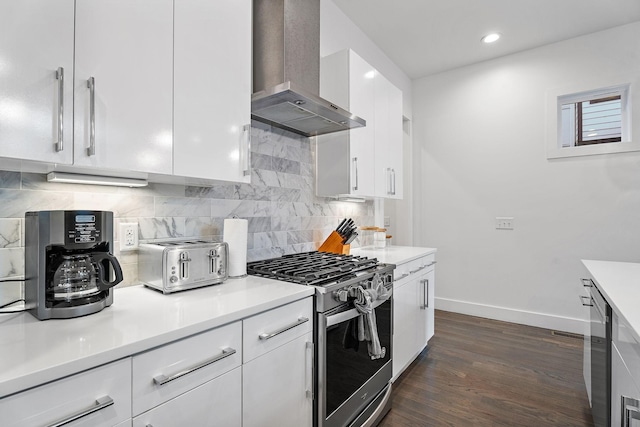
(334, 245)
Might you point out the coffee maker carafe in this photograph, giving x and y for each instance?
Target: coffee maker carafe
(68, 263)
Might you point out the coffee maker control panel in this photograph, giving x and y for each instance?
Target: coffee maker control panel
(82, 228)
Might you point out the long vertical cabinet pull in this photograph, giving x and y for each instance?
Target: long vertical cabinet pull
(425, 284)
(91, 84)
(60, 78)
(246, 132)
(630, 411)
(426, 293)
(393, 181)
(355, 165)
(310, 370)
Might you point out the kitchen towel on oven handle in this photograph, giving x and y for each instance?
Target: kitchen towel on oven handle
(364, 302)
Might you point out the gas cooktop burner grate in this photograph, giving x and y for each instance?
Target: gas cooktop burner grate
(313, 268)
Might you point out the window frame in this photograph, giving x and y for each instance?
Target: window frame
(558, 97)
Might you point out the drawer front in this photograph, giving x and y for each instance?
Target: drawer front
(269, 330)
(99, 397)
(628, 346)
(168, 371)
(216, 403)
(407, 271)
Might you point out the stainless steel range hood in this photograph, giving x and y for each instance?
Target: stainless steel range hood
(286, 70)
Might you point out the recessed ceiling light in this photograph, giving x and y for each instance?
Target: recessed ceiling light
(490, 38)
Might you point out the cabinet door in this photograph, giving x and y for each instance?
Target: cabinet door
(429, 299)
(36, 88)
(276, 386)
(362, 104)
(98, 397)
(622, 385)
(126, 47)
(217, 403)
(410, 322)
(345, 160)
(212, 89)
(388, 138)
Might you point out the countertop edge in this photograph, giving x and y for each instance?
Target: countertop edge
(71, 367)
(611, 299)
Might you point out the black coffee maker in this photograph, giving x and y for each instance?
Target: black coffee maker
(69, 263)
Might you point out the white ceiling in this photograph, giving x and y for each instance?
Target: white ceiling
(426, 37)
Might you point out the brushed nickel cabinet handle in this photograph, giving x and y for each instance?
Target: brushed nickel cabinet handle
(355, 165)
(91, 84)
(582, 298)
(267, 336)
(163, 379)
(60, 78)
(101, 403)
(418, 269)
(426, 293)
(246, 131)
(587, 283)
(309, 349)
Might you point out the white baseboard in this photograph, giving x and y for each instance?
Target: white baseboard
(540, 320)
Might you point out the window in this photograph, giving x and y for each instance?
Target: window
(594, 121)
(591, 122)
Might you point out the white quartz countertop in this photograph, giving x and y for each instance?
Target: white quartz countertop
(394, 254)
(33, 352)
(619, 283)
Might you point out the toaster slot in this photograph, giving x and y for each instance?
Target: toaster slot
(184, 265)
(214, 261)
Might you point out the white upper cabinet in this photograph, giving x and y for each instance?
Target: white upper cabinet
(364, 162)
(123, 85)
(36, 80)
(346, 159)
(388, 142)
(212, 89)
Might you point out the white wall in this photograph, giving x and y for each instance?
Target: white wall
(479, 140)
(338, 32)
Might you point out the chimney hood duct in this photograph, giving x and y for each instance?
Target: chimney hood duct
(286, 70)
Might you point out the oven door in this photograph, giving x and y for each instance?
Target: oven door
(348, 379)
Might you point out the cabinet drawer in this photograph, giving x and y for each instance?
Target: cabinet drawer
(102, 394)
(404, 272)
(271, 329)
(216, 403)
(628, 346)
(168, 371)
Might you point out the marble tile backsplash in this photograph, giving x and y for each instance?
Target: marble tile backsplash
(280, 204)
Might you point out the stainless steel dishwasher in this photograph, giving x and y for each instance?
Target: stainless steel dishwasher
(600, 320)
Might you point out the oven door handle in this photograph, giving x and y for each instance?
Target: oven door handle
(343, 316)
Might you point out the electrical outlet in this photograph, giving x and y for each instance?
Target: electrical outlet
(504, 222)
(128, 232)
(387, 221)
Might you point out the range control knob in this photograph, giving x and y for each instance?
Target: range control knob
(173, 279)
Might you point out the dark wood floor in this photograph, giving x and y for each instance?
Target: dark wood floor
(480, 372)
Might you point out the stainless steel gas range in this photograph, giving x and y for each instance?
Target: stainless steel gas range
(353, 332)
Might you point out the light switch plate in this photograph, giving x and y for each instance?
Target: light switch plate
(128, 233)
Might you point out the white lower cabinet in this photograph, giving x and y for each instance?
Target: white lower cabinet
(277, 375)
(276, 386)
(216, 403)
(625, 376)
(413, 311)
(98, 397)
(167, 372)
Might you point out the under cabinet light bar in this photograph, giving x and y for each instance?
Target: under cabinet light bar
(76, 178)
(353, 199)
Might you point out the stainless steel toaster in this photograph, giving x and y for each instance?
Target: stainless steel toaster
(179, 265)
